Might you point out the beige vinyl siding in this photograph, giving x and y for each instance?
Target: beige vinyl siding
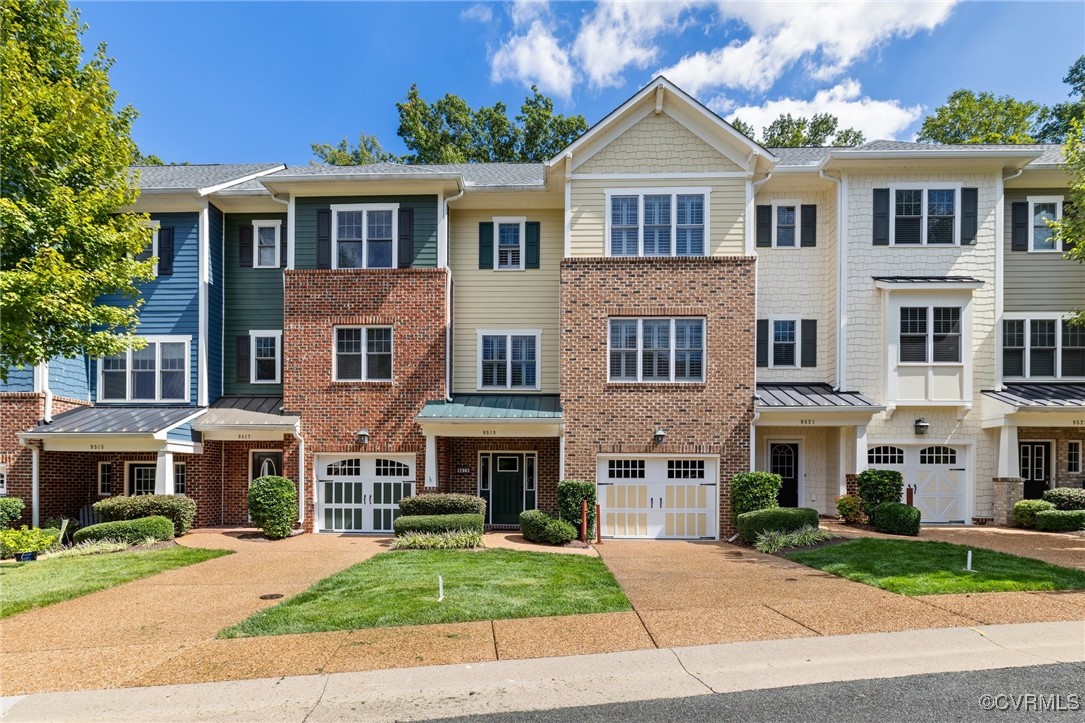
(657, 144)
(726, 221)
(488, 299)
(1039, 281)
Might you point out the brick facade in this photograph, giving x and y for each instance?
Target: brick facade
(706, 418)
(455, 453)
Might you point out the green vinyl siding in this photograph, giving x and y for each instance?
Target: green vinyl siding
(1038, 281)
(425, 226)
(254, 300)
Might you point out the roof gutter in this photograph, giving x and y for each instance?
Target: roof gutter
(235, 181)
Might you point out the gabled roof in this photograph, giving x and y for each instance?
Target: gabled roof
(201, 179)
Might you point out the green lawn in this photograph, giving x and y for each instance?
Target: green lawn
(36, 584)
(400, 588)
(934, 568)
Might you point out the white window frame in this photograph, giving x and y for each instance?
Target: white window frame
(772, 342)
(1080, 451)
(640, 349)
(179, 472)
(336, 209)
(1028, 318)
(893, 301)
(925, 187)
(365, 355)
(508, 334)
(154, 226)
(930, 307)
(798, 222)
(256, 226)
(1032, 202)
(277, 334)
(158, 341)
(102, 465)
(640, 193)
(3, 479)
(498, 221)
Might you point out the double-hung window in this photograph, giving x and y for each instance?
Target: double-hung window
(508, 359)
(925, 216)
(363, 236)
(510, 243)
(3, 479)
(1042, 211)
(180, 479)
(657, 222)
(267, 236)
(930, 334)
(265, 357)
(156, 373)
(363, 354)
(656, 350)
(1049, 348)
(785, 227)
(105, 479)
(1073, 457)
(785, 343)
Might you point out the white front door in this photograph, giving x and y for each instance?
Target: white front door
(658, 497)
(938, 476)
(361, 493)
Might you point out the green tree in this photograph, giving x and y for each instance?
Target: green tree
(1070, 229)
(970, 118)
(64, 155)
(1056, 121)
(743, 127)
(821, 129)
(368, 150)
(138, 159)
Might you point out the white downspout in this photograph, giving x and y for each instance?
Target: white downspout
(1000, 266)
(840, 283)
(35, 495)
(41, 385)
(448, 289)
(301, 472)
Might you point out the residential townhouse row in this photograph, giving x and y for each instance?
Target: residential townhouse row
(661, 306)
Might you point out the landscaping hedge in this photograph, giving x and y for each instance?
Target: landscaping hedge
(1024, 512)
(27, 539)
(571, 494)
(779, 519)
(438, 541)
(273, 505)
(541, 528)
(178, 509)
(878, 486)
(442, 504)
(897, 518)
(752, 491)
(1060, 520)
(131, 532)
(850, 508)
(11, 509)
(1066, 498)
(437, 523)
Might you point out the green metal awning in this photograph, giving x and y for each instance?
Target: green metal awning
(493, 407)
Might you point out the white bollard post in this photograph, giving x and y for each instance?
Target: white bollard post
(968, 567)
(441, 585)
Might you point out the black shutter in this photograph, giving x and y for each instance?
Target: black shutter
(809, 225)
(324, 239)
(1019, 230)
(243, 359)
(881, 217)
(969, 215)
(809, 335)
(283, 246)
(762, 345)
(165, 251)
(486, 245)
(531, 245)
(764, 226)
(406, 238)
(244, 239)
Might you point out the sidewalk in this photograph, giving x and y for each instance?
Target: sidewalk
(546, 683)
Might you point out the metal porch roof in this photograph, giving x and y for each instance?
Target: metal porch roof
(807, 396)
(1031, 394)
(115, 420)
(494, 406)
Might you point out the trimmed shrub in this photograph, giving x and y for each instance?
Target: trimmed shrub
(1024, 512)
(273, 505)
(778, 519)
(1066, 498)
(437, 524)
(878, 486)
(1060, 520)
(178, 509)
(850, 509)
(752, 491)
(539, 527)
(132, 532)
(773, 541)
(11, 509)
(442, 504)
(438, 541)
(897, 518)
(27, 539)
(571, 493)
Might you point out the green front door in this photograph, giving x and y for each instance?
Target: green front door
(507, 489)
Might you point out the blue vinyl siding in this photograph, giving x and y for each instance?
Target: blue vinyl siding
(70, 378)
(184, 433)
(19, 380)
(215, 304)
(425, 226)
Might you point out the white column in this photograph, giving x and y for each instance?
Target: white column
(431, 461)
(860, 448)
(163, 474)
(35, 485)
(1009, 459)
(753, 444)
(561, 456)
(842, 452)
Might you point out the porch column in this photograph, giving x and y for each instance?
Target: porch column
(561, 455)
(1009, 460)
(842, 455)
(163, 474)
(860, 448)
(753, 443)
(431, 461)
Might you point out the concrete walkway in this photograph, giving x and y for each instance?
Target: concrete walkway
(554, 683)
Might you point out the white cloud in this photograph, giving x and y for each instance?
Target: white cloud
(534, 56)
(875, 118)
(525, 12)
(479, 12)
(831, 35)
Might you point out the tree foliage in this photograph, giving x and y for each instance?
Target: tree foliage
(787, 131)
(1070, 229)
(984, 118)
(1056, 121)
(368, 150)
(65, 153)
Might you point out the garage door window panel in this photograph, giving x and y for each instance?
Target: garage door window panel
(938, 455)
(885, 455)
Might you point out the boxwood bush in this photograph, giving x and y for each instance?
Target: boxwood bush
(1060, 520)
(442, 504)
(878, 486)
(405, 524)
(1024, 512)
(778, 519)
(438, 541)
(539, 527)
(178, 509)
(1066, 498)
(131, 532)
(752, 491)
(11, 509)
(571, 493)
(897, 518)
(273, 505)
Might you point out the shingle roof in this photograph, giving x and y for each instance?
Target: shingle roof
(180, 178)
(798, 157)
(1031, 394)
(807, 396)
(115, 420)
(494, 406)
(476, 175)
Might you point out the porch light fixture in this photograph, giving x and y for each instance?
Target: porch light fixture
(660, 436)
(363, 436)
(921, 426)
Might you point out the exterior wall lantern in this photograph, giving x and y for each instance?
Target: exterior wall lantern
(922, 426)
(660, 436)
(363, 436)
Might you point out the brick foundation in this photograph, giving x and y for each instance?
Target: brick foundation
(852, 483)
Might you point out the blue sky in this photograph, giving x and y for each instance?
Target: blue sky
(246, 82)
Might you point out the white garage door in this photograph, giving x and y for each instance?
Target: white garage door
(937, 473)
(362, 493)
(658, 497)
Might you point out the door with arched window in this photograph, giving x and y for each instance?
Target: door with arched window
(784, 461)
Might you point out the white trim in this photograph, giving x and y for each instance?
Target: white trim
(521, 222)
(792, 203)
(1032, 201)
(442, 231)
(640, 350)
(493, 454)
(256, 226)
(750, 224)
(966, 346)
(338, 208)
(1028, 317)
(568, 218)
(800, 442)
(154, 226)
(609, 136)
(1080, 451)
(954, 186)
(1000, 265)
(772, 341)
(204, 273)
(508, 334)
(233, 182)
(1052, 455)
(673, 192)
(365, 355)
(842, 284)
(676, 175)
(966, 458)
(276, 334)
(100, 465)
(157, 340)
(292, 234)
